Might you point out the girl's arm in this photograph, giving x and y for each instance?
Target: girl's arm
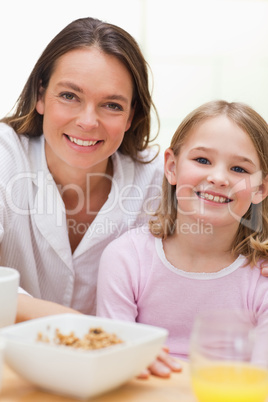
(118, 288)
(29, 308)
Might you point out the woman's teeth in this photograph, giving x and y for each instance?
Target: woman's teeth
(81, 142)
(215, 198)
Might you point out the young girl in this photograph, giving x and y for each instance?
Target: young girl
(205, 246)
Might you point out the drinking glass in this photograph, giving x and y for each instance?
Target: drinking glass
(228, 358)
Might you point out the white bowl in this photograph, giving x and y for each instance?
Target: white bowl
(75, 372)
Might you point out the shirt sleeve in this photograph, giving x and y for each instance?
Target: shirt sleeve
(258, 304)
(23, 292)
(2, 231)
(118, 282)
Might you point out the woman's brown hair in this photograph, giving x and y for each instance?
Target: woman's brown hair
(112, 40)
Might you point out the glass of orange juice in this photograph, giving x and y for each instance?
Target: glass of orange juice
(228, 358)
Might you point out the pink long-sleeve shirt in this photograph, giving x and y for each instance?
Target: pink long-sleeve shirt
(137, 283)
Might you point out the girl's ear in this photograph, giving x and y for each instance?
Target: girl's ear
(262, 192)
(170, 167)
(40, 105)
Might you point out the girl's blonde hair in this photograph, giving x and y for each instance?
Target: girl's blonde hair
(251, 238)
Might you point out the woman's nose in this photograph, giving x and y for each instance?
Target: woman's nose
(87, 118)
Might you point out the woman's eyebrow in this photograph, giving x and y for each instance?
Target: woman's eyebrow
(76, 88)
(70, 85)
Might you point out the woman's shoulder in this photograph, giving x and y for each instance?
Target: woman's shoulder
(6, 130)
(149, 168)
(17, 151)
(149, 158)
(9, 138)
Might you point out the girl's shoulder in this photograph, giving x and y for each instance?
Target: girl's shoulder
(140, 236)
(138, 239)
(254, 274)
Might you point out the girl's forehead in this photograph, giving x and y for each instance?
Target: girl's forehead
(222, 134)
(215, 128)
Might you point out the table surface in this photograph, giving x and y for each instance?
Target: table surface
(174, 389)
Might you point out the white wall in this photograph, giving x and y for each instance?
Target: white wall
(198, 50)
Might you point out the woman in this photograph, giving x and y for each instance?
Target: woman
(76, 167)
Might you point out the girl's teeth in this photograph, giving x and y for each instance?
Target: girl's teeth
(215, 198)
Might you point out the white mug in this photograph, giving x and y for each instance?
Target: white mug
(9, 283)
(2, 350)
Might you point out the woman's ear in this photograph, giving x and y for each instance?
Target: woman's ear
(170, 167)
(130, 117)
(40, 104)
(262, 192)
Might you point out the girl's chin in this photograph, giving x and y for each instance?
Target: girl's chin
(208, 221)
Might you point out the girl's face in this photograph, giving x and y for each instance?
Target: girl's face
(86, 109)
(217, 173)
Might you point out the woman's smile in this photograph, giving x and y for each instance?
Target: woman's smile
(81, 142)
(83, 126)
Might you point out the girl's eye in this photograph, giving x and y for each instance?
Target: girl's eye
(203, 161)
(238, 169)
(114, 106)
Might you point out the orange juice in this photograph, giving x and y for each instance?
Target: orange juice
(230, 382)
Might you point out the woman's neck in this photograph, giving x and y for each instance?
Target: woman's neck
(81, 178)
(84, 192)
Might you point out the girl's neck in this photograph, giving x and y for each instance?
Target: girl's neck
(200, 247)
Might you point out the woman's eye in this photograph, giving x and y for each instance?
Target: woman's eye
(238, 169)
(203, 161)
(114, 106)
(67, 95)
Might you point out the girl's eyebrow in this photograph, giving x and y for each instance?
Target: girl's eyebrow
(76, 88)
(236, 157)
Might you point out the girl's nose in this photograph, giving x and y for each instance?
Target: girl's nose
(218, 177)
(87, 118)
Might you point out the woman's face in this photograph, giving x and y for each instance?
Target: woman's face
(86, 110)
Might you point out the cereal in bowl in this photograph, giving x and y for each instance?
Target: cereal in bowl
(96, 338)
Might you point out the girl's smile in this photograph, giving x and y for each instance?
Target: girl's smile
(217, 198)
(217, 173)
